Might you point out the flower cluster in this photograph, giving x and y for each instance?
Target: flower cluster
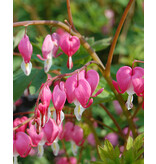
(26, 139)
(69, 45)
(78, 89)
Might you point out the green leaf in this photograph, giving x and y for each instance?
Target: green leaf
(21, 81)
(129, 143)
(39, 79)
(138, 142)
(108, 146)
(140, 161)
(17, 38)
(101, 44)
(102, 153)
(128, 156)
(116, 152)
(141, 151)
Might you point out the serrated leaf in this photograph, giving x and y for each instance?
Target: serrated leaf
(101, 153)
(108, 146)
(129, 143)
(138, 142)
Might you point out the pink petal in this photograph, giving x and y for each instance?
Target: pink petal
(46, 95)
(77, 135)
(117, 86)
(98, 92)
(59, 97)
(138, 80)
(70, 85)
(36, 138)
(25, 48)
(93, 79)
(40, 57)
(23, 144)
(123, 77)
(51, 131)
(83, 92)
(69, 44)
(68, 129)
(47, 46)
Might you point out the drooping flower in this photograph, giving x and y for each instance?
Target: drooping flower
(21, 141)
(131, 81)
(59, 99)
(25, 48)
(49, 50)
(43, 107)
(77, 139)
(69, 45)
(21, 145)
(46, 136)
(80, 88)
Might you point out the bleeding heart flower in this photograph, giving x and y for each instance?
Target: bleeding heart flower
(21, 145)
(68, 128)
(43, 107)
(69, 45)
(59, 99)
(26, 49)
(131, 81)
(49, 50)
(77, 139)
(79, 90)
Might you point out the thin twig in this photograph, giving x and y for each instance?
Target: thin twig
(113, 119)
(23, 123)
(70, 15)
(65, 150)
(110, 56)
(101, 123)
(84, 43)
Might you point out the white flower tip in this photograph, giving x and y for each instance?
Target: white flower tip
(78, 112)
(129, 103)
(47, 63)
(74, 148)
(26, 67)
(15, 159)
(40, 150)
(55, 147)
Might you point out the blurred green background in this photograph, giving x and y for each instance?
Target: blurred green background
(97, 21)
